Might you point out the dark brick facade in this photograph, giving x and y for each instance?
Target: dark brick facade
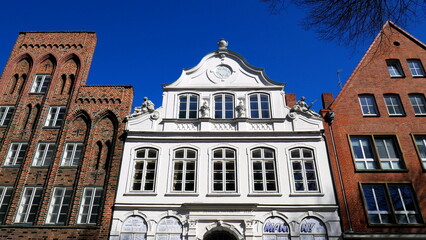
(371, 77)
(94, 117)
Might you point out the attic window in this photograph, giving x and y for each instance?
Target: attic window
(396, 43)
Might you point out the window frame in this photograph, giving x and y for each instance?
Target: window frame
(185, 160)
(144, 170)
(416, 69)
(44, 161)
(376, 159)
(188, 110)
(302, 171)
(394, 68)
(420, 106)
(259, 110)
(42, 86)
(262, 160)
(367, 105)
(223, 106)
(6, 115)
(419, 151)
(25, 212)
(13, 161)
(5, 197)
(391, 211)
(53, 123)
(395, 104)
(63, 207)
(134, 233)
(224, 160)
(73, 161)
(168, 234)
(90, 213)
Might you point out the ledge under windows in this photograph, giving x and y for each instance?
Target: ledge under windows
(265, 194)
(140, 194)
(307, 194)
(223, 194)
(182, 194)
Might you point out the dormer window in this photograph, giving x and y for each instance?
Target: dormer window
(224, 106)
(188, 106)
(259, 106)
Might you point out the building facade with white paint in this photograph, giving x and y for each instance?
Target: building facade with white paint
(224, 157)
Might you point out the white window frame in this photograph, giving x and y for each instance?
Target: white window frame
(418, 103)
(28, 202)
(143, 173)
(60, 202)
(416, 67)
(41, 83)
(69, 158)
(5, 197)
(16, 157)
(394, 106)
(41, 157)
(259, 109)
(371, 109)
(421, 148)
(303, 160)
(185, 161)
(187, 107)
(89, 202)
(223, 171)
(169, 234)
(264, 173)
(6, 113)
(394, 68)
(222, 107)
(56, 116)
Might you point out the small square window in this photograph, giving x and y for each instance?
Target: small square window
(41, 82)
(55, 117)
(5, 115)
(44, 154)
(418, 103)
(416, 68)
(368, 105)
(394, 68)
(16, 154)
(393, 104)
(72, 154)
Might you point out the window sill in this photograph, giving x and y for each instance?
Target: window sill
(403, 76)
(307, 194)
(420, 115)
(140, 193)
(397, 225)
(264, 194)
(51, 127)
(68, 167)
(224, 194)
(395, 115)
(372, 116)
(11, 166)
(37, 93)
(182, 194)
(38, 167)
(380, 170)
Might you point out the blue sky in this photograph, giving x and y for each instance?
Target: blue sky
(148, 43)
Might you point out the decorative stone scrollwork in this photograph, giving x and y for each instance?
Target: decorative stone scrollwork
(186, 126)
(155, 115)
(261, 126)
(223, 126)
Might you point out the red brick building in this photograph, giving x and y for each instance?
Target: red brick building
(60, 145)
(377, 141)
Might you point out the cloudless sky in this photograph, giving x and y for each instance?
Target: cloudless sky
(148, 43)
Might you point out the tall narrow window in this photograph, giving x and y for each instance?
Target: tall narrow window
(393, 104)
(259, 106)
(55, 117)
(224, 106)
(59, 205)
(416, 68)
(16, 154)
(134, 228)
(44, 154)
(363, 151)
(28, 206)
(421, 148)
(224, 170)
(145, 167)
(5, 115)
(188, 106)
(41, 82)
(72, 154)
(169, 228)
(394, 68)
(368, 105)
(90, 205)
(304, 170)
(184, 168)
(264, 174)
(418, 103)
(5, 194)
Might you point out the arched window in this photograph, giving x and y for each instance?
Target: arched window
(264, 174)
(188, 106)
(313, 229)
(305, 177)
(223, 106)
(259, 106)
(134, 228)
(224, 170)
(275, 228)
(169, 228)
(145, 163)
(184, 170)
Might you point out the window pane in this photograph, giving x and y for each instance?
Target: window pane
(418, 103)
(416, 68)
(368, 105)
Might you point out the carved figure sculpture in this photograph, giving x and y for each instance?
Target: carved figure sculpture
(205, 109)
(241, 109)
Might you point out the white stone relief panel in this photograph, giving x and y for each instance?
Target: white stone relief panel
(186, 126)
(261, 126)
(223, 127)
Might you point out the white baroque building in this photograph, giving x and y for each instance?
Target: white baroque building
(225, 158)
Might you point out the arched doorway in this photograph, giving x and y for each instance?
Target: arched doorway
(220, 235)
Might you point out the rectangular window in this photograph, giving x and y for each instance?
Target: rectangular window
(394, 68)
(224, 170)
(145, 167)
(5, 194)
(224, 106)
(43, 155)
(393, 104)
(390, 204)
(59, 205)
(5, 115)
(16, 154)
(368, 149)
(259, 106)
(304, 170)
(41, 82)
(184, 169)
(264, 175)
(55, 117)
(418, 103)
(416, 68)
(72, 154)
(368, 105)
(28, 206)
(188, 106)
(421, 148)
(90, 205)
